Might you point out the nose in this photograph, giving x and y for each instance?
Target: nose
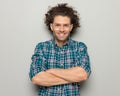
(61, 28)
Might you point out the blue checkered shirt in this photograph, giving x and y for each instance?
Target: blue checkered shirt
(48, 55)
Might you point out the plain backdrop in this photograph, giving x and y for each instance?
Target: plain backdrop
(22, 27)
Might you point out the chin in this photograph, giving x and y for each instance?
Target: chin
(62, 40)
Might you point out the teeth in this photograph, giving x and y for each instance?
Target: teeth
(61, 34)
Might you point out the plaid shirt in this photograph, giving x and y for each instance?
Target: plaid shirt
(48, 55)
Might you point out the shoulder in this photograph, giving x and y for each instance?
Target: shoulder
(78, 44)
(43, 45)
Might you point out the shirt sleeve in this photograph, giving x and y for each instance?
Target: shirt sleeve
(83, 58)
(38, 62)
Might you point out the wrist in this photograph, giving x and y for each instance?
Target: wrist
(50, 70)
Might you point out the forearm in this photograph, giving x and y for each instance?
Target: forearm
(75, 74)
(48, 79)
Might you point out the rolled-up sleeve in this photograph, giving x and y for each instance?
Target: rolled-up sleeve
(83, 58)
(38, 62)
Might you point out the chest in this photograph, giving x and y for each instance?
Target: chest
(61, 58)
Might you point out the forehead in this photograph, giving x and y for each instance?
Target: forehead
(61, 19)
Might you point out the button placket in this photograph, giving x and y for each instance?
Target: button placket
(62, 62)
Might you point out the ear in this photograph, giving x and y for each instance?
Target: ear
(51, 26)
(71, 27)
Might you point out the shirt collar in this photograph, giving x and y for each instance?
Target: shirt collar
(67, 43)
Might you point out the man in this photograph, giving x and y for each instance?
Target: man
(60, 64)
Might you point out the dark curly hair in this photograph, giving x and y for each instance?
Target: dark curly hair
(63, 10)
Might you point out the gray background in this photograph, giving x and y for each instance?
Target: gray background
(22, 27)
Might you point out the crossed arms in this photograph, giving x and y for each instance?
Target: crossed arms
(53, 77)
(58, 76)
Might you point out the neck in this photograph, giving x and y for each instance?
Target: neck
(60, 43)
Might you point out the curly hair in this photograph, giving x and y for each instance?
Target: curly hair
(63, 10)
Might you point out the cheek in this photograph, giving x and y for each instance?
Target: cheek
(68, 32)
(56, 32)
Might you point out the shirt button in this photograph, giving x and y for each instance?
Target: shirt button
(58, 89)
(61, 64)
(62, 52)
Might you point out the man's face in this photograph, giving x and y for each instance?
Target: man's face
(61, 28)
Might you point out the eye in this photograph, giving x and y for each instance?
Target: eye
(66, 25)
(57, 25)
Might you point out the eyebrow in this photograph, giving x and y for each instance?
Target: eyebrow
(63, 24)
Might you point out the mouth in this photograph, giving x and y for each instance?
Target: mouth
(62, 34)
